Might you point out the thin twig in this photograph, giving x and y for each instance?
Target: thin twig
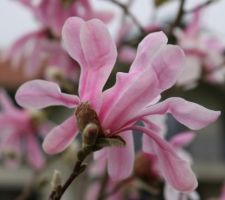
(79, 167)
(128, 13)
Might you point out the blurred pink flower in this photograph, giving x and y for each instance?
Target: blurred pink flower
(35, 50)
(43, 47)
(53, 13)
(204, 53)
(134, 96)
(18, 128)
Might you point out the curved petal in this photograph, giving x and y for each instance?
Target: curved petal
(34, 154)
(61, 136)
(91, 45)
(131, 93)
(182, 139)
(188, 113)
(71, 38)
(135, 90)
(40, 94)
(168, 64)
(166, 61)
(171, 165)
(121, 159)
(147, 48)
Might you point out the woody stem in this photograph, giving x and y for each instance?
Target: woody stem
(79, 167)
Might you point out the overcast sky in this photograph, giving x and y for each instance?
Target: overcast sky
(15, 20)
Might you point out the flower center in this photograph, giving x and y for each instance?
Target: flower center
(85, 115)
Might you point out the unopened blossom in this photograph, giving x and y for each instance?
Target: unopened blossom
(116, 110)
(43, 47)
(204, 51)
(19, 132)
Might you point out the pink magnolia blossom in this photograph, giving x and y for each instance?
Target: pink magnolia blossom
(133, 97)
(204, 53)
(52, 14)
(18, 129)
(43, 46)
(34, 50)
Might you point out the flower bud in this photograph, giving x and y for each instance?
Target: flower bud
(90, 134)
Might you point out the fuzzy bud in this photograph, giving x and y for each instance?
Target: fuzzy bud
(90, 134)
(86, 115)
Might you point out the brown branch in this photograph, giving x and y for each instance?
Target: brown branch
(79, 167)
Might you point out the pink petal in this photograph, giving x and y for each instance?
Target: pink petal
(34, 154)
(94, 50)
(131, 93)
(168, 64)
(40, 94)
(121, 159)
(150, 74)
(182, 139)
(190, 114)
(61, 136)
(171, 165)
(147, 49)
(71, 38)
(6, 121)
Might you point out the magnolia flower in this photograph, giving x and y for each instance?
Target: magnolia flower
(204, 53)
(116, 110)
(53, 14)
(18, 128)
(43, 47)
(35, 49)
